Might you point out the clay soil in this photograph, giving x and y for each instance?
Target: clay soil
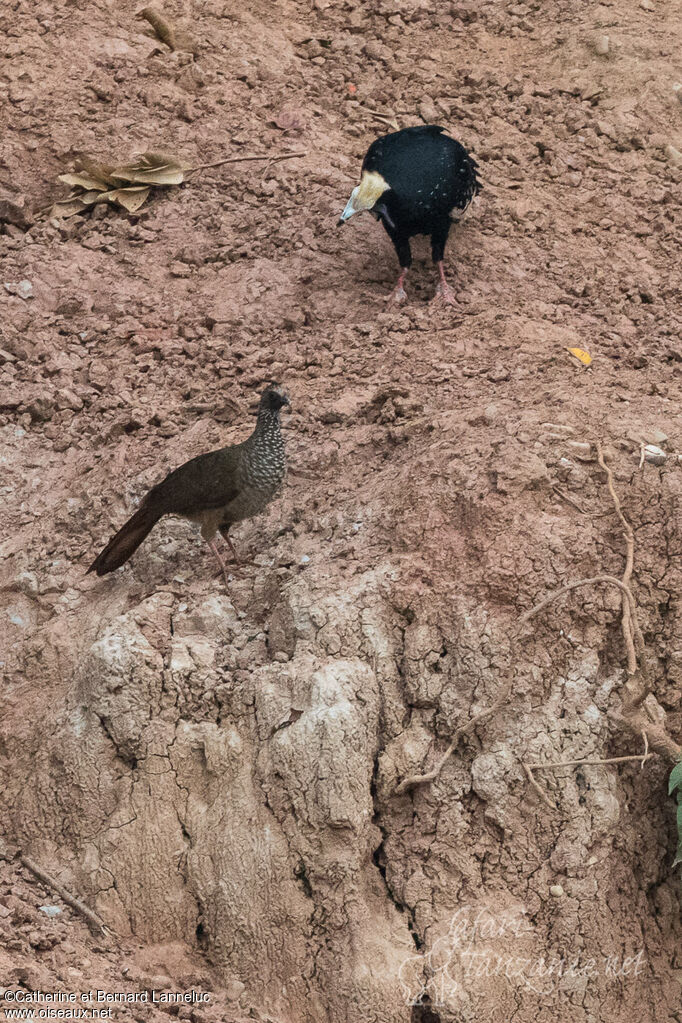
(215, 773)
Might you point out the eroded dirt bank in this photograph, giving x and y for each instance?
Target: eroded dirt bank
(215, 774)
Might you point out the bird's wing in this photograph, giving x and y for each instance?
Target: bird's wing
(387, 145)
(205, 482)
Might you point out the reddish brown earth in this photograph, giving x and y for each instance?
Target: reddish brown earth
(215, 773)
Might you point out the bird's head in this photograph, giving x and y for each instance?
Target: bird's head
(273, 398)
(365, 195)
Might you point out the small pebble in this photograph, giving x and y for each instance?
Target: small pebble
(235, 990)
(427, 111)
(654, 455)
(601, 45)
(674, 155)
(24, 289)
(556, 890)
(50, 910)
(677, 89)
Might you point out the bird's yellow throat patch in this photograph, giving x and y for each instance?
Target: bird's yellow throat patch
(372, 186)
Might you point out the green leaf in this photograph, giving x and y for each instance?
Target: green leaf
(675, 780)
(678, 854)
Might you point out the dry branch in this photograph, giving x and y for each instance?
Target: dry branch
(628, 601)
(246, 159)
(94, 921)
(630, 627)
(541, 792)
(422, 779)
(552, 765)
(659, 740)
(568, 499)
(588, 762)
(655, 736)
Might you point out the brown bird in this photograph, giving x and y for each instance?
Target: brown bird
(216, 490)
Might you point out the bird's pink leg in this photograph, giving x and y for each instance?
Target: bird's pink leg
(224, 532)
(212, 544)
(398, 294)
(227, 538)
(444, 292)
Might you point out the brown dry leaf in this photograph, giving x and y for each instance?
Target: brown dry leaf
(162, 28)
(83, 181)
(66, 208)
(151, 169)
(88, 198)
(160, 160)
(130, 198)
(95, 169)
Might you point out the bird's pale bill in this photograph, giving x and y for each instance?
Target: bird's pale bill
(365, 195)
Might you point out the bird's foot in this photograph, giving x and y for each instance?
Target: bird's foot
(397, 296)
(445, 294)
(224, 532)
(228, 576)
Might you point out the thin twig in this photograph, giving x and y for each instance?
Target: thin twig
(541, 792)
(634, 644)
(646, 749)
(93, 920)
(630, 627)
(567, 499)
(659, 741)
(245, 159)
(422, 779)
(611, 579)
(551, 765)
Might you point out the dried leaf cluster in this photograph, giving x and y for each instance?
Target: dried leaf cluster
(128, 185)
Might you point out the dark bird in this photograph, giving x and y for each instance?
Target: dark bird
(416, 181)
(216, 490)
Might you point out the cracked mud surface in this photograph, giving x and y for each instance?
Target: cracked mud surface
(214, 773)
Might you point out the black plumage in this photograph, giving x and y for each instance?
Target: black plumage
(416, 181)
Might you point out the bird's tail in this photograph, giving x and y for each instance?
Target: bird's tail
(125, 542)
